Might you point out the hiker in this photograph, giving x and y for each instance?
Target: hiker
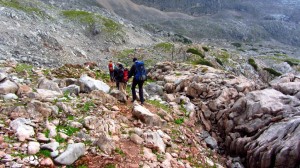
(111, 70)
(138, 72)
(121, 77)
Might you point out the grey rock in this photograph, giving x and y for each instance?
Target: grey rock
(146, 116)
(88, 84)
(211, 142)
(72, 153)
(22, 128)
(10, 96)
(106, 144)
(154, 89)
(71, 89)
(118, 95)
(7, 86)
(48, 85)
(3, 76)
(50, 146)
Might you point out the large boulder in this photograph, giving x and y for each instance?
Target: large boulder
(146, 116)
(88, 84)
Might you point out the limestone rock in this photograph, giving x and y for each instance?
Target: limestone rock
(48, 85)
(155, 139)
(146, 116)
(103, 97)
(119, 95)
(106, 144)
(7, 86)
(33, 148)
(22, 128)
(71, 89)
(88, 84)
(72, 153)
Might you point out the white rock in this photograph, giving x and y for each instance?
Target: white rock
(10, 96)
(90, 84)
(22, 129)
(33, 148)
(73, 152)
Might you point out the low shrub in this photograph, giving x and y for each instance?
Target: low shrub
(253, 63)
(219, 61)
(273, 72)
(205, 48)
(195, 51)
(166, 47)
(291, 63)
(238, 45)
(202, 61)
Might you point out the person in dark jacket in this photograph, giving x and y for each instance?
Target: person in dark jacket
(117, 74)
(135, 82)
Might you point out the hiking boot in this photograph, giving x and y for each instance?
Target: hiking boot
(132, 100)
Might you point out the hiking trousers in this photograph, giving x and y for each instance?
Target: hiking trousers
(140, 84)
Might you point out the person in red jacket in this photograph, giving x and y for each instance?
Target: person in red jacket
(111, 70)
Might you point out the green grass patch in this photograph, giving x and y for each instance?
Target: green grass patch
(166, 47)
(273, 72)
(253, 63)
(24, 67)
(202, 61)
(102, 76)
(25, 6)
(44, 153)
(87, 106)
(157, 104)
(120, 152)
(90, 19)
(282, 58)
(21, 155)
(179, 121)
(68, 130)
(219, 61)
(70, 117)
(110, 165)
(291, 63)
(195, 51)
(125, 57)
(205, 48)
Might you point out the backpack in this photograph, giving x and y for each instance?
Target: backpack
(125, 75)
(140, 71)
(111, 67)
(120, 74)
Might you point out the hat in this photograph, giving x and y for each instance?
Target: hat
(134, 59)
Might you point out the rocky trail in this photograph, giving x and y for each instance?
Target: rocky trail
(194, 116)
(57, 122)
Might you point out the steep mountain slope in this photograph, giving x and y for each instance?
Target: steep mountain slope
(249, 21)
(53, 33)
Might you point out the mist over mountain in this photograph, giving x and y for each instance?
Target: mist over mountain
(246, 21)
